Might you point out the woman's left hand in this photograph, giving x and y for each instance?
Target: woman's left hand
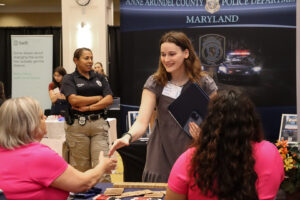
(194, 129)
(61, 96)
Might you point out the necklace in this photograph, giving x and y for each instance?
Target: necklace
(179, 83)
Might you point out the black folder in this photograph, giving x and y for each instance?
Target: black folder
(191, 105)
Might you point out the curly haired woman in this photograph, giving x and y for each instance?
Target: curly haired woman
(230, 159)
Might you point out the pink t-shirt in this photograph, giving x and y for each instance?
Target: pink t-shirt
(27, 172)
(268, 166)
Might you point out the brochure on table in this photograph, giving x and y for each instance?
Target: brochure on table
(289, 128)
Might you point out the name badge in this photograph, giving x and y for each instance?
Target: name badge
(172, 91)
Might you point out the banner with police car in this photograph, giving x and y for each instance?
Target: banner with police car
(245, 44)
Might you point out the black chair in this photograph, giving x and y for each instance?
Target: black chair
(47, 112)
(2, 196)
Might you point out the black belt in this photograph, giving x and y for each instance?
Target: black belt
(92, 117)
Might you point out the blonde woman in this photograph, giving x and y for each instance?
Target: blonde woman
(30, 170)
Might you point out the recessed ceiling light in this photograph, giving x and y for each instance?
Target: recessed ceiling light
(2, 4)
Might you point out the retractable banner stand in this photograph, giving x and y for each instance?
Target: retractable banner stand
(32, 57)
(244, 44)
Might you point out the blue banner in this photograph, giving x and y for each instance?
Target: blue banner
(248, 45)
(173, 14)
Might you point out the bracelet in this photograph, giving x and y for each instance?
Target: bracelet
(130, 135)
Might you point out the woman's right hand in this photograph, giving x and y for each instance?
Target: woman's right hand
(119, 143)
(108, 164)
(194, 130)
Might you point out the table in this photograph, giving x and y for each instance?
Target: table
(103, 186)
(55, 136)
(55, 128)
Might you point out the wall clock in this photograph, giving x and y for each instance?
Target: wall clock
(83, 2)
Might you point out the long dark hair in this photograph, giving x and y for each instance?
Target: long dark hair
(192, 63)
(62, 72)
(223, 164)
(2, 92)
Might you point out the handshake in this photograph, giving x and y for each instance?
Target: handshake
(106, 163)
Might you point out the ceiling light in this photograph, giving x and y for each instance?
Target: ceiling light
(2, 4)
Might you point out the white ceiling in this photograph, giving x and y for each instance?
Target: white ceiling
(37, 6)
(30, 6)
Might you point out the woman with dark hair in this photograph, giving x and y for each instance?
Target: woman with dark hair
(58, 99)
(178, 68)
(89, 95)
(230, 159)
(2, 93)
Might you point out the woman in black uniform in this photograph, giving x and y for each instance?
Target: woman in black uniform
(89, 95)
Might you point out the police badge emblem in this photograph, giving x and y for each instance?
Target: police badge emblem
(211, 49)
(212, 6)
(99, 83)
(81, 120)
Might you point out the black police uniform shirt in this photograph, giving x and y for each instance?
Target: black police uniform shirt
(77, 84)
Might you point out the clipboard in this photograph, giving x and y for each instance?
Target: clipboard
(191, 105)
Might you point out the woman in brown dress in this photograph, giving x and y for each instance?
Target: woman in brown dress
(178, 67)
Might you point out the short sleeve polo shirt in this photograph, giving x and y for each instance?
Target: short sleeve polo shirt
(77, 84)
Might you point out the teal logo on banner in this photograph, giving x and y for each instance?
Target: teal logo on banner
(172, 14)
(212, 49)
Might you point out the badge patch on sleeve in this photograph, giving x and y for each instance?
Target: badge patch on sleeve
(99, 83)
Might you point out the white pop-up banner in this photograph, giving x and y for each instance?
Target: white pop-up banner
(32, 57)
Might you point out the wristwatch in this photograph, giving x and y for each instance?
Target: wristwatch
(83, 2)
(130, 135)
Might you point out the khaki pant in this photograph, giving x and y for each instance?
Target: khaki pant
(84, 144)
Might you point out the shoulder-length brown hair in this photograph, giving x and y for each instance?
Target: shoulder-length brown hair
(223, 163)
(61, 70)
(192, 63)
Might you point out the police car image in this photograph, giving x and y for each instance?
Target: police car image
(239, 66)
